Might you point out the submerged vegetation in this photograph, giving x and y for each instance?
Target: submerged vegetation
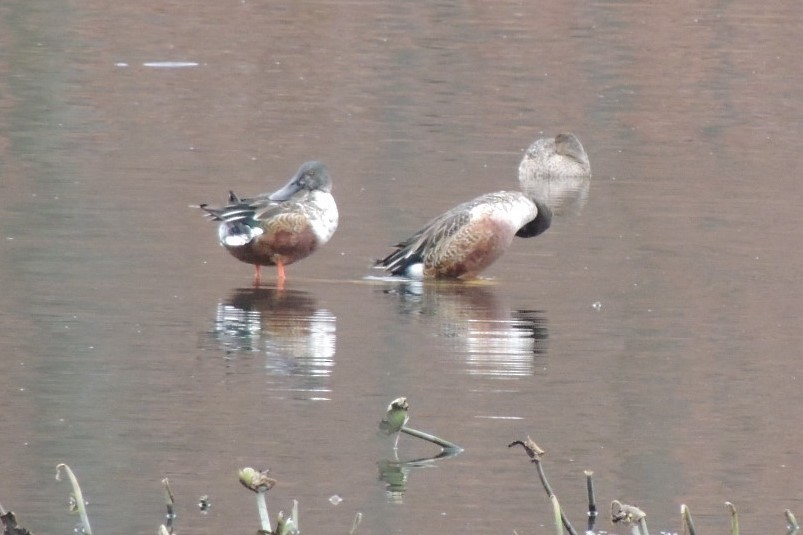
(395, 474)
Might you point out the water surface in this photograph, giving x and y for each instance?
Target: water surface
(651, 335)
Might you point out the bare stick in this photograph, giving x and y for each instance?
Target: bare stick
(592, 504)
(79, 497)
(734, 518)
(688, 523)
(169, 500)
(791, 522)
(357, 520)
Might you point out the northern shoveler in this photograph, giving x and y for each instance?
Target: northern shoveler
(556, 172)
(467, 239)
(561, 156)
(280, 228)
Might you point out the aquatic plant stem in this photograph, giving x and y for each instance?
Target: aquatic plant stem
(79, 496)
(445, 444)
(556, 514)
(169, 500)
(734, 518)
(592, 504)
(688, 523)
(262, 507)
(791, 521)
(535, 452)
(642, 522)
(550, 493)
(357, 520)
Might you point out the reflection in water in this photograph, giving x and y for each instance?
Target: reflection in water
(296, 337)
(395, 473)
(564, 195)
(494, 340)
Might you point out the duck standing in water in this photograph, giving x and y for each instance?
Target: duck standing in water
(467, 239)
(280, 228)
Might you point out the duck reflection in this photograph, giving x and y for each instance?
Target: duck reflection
(296, 337)
(494, 340)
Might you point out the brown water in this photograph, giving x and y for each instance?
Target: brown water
(653, 334)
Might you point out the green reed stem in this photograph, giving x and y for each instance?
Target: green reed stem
(445, 444)
(79, 496)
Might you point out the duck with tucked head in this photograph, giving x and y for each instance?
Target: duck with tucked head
(557, 173)
(465, 240)
(282, 227)
(561, 156)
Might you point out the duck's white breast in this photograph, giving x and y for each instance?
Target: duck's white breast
(324, 216)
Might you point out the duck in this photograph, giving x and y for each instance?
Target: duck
(559, 156)
(279, 228)
(467, 239)
(556, 171)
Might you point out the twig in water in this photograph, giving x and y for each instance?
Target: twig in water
(592, 504)
(535, 453)
(79, 497)
(357, 520)
(791, 522)
(688, 523)
(295, 516)
(734, 518)
(169, 501)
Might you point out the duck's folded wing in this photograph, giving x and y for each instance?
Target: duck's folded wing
(434, 235)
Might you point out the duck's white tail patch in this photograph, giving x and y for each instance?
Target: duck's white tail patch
(415, 271)
(237, 234)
